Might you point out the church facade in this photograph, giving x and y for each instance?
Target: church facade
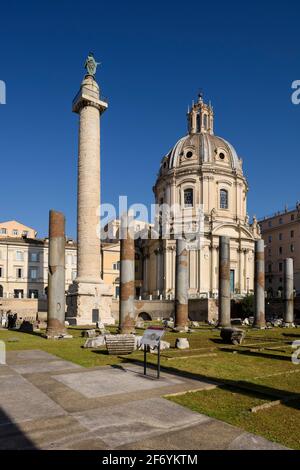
(201, 170)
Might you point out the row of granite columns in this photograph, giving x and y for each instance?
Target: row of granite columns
(259, 286)
(127, 291)
(56, 281)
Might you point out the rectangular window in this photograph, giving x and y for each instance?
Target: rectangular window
(116, 266)
(25, 233)
(280, 236)
(3, 231)
(280, 267)
(280, 221)
(15, 232)
(292, 248)
(270, 238)
(19, 256)
(292, 233)
(280, 250)
(188, 198)
(34, 256)
(18, 293)
(270, 223)
(1, 271)
(270, 251)
(33, 294)
(19, 273)
(292, 217)
(74, 274)
(33, 273)
(223, 199)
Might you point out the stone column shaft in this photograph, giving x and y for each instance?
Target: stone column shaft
(224, 282)
(127, 279)
(181, 285)
(88, 199)
(288, 292)
(56, 275)
(259, 285)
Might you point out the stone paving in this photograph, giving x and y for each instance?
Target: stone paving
(49, 403)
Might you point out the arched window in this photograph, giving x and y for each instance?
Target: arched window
(223, 199)
(198, 122)
(188, 197)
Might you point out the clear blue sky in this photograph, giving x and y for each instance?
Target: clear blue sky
(155, 56)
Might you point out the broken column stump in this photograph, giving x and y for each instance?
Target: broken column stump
(233, 335)
(120, 344)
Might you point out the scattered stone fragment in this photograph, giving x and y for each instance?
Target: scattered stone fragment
(163, 345)
(65, 336)
(138, 340)
(140, 324)
(180, 329)
(236, 321)
(100, 325)
(168, 323)
(95, 342)
(278, 322)
(232, 335)
(195, 324)
(182, 343)
(89, 333)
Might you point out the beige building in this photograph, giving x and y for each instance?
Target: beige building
(24, 263)
(281, 233)
(202, 170)
(14, 229)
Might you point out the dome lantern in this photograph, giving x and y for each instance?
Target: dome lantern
(200, 117)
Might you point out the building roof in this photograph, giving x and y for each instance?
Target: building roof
(206, 147)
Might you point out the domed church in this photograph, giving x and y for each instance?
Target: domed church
(202, 170)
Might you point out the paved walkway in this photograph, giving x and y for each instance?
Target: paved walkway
(49, 403)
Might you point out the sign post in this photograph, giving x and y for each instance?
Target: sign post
(151, 338)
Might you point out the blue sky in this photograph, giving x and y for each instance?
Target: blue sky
(155, 56)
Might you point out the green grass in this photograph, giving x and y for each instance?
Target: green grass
(70, 350)
(244, 373)
(280, 423)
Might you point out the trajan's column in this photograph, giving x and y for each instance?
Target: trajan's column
(89, 299)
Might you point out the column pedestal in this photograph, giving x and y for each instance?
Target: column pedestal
(88, 303)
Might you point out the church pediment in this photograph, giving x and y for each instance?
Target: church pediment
(232, 230)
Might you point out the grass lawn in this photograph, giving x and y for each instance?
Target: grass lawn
(259, 371)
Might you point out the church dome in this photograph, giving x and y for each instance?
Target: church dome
(200, 146)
